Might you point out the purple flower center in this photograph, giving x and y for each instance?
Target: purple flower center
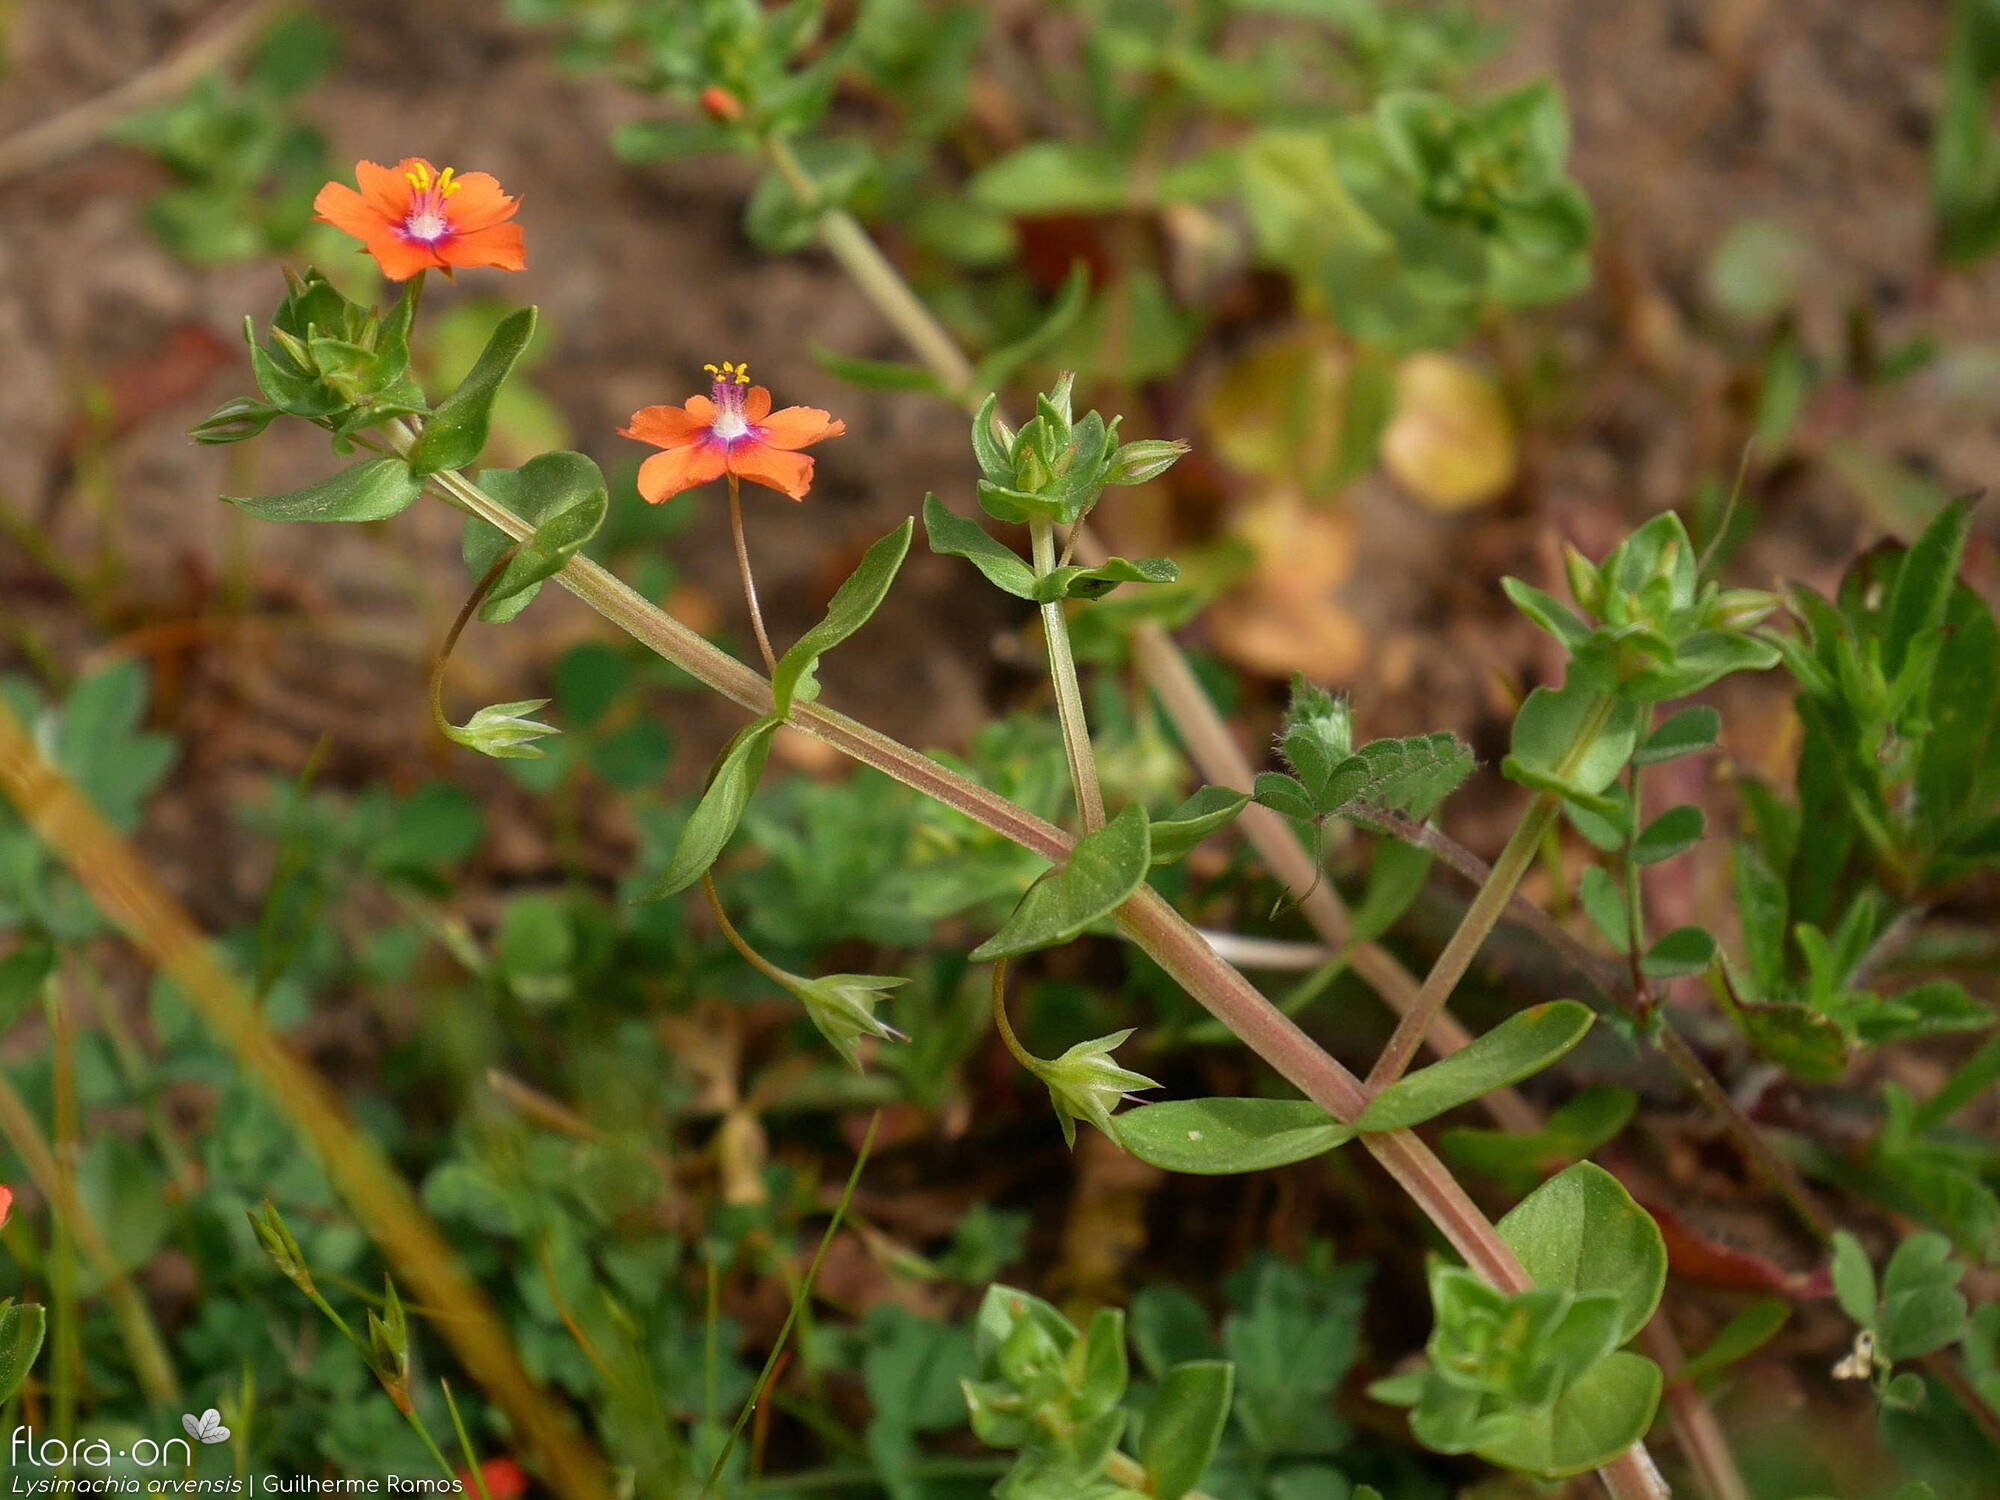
(731, 426)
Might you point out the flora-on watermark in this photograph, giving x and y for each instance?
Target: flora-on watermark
(206, 1428)
(55, 1458)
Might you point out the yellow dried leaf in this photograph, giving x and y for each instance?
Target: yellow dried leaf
(1277, 410)
(1450, 443)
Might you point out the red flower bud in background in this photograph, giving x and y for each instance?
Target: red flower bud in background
(6, 1204)
(720, 105)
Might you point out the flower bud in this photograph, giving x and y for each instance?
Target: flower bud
(1586, 585)
(1084, 1083)
(1135, 463)
(842, 1006)
(504, 731)
(233, 422)
(275, 1238)
(389, 1346)
(720, 105)
(1739, 609)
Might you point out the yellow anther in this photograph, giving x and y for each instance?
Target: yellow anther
(418, 177)
(447, 184)
(728, 371)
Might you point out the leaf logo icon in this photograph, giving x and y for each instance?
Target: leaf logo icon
(206, 1428)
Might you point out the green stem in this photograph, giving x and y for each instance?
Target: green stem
(749, 579)
(1147, 918)
(1005, 1027)
(1473, 929)
(465, 613)
(472, 1464)
(761, 1389)
(1487, 906)
(737, 941)
(1069, 695)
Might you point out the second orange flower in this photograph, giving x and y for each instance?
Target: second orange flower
(732, 430)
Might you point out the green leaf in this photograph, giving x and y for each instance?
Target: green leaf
(668, 139)
(1580, 1231)
(21, 1331)
(1102, 872)
(1284, 794)
(999, 366)
(1564, 743)
(1520, 1161)
(1924, 583)
(1672, 832)
(1685, 950)
(1053, 177)
(454, 435)
(956, 536)
(1686, 733)
(879, 374)
(777, 219)
(1077, 582)
(1742, 1336)
(372, 490)
(1220, 1137)
(1407, 775)
(1798, 1037)
(1207, 812)
(22, 974)
(562, 495)
(1519, 1046)
(1922, 1308)
(1606, 1410)
(715, 817)
(1184, 1425)
(853, 603)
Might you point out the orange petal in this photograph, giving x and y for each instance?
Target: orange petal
(702, 410)
(400, 259)
(339, 205)
(799, 427)
(498, 246)
(756, 403)
(387, 190)
(665, 475)
(788, 473)
(479, 203)
(665, 426)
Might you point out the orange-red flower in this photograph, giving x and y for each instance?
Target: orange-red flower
(6, 1204)
(411, 217)
(732, 430)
